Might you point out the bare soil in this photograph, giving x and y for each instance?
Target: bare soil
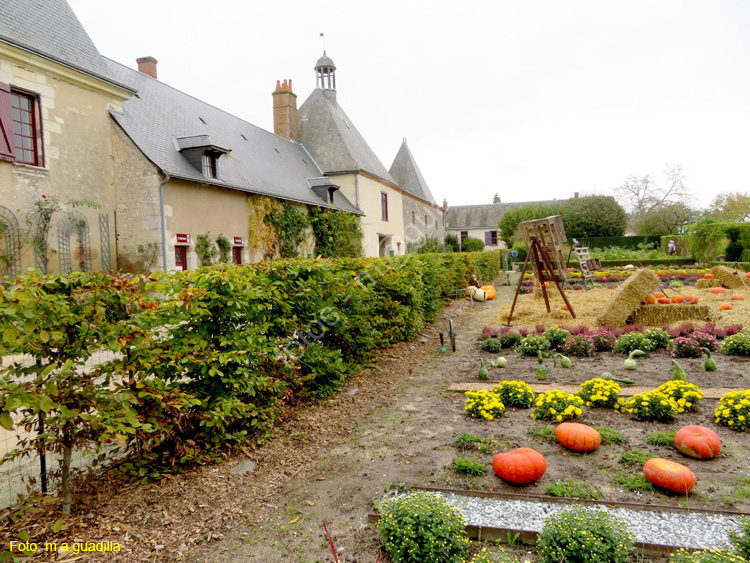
(395, 423)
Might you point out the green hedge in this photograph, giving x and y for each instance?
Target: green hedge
(622, 242)
(209, 363)
(635, 262)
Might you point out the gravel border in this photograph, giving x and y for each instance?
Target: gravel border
(694, 529)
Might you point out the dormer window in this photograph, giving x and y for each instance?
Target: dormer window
(323, 188)
(201, 153)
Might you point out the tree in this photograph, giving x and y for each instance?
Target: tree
(641, 195)
(496, 198)
(670, 218)
(728, 206)
(510, 220)
(593, 216)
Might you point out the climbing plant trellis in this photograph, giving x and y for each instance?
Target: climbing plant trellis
(74, 223)
(10, 258)
(104, 238)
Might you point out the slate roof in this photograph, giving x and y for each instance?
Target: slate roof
(332, 139)
(50, 28)
(484, 216)
(407, 175)
(258, 161)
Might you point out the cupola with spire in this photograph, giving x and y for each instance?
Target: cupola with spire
(325, 72)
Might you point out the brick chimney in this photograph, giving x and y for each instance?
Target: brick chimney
(445, 205)
(575, 195)
(147, 65)
(285, 111)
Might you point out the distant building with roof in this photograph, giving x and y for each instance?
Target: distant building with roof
(397, 204)
(481, 221)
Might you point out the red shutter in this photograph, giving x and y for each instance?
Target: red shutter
(7, 146)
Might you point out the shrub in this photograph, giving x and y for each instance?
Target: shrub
(515, 393)
(468, 467)
(737, 344)
(483, 404)
(604, 340)
(422, 527)
(556, 337)
(599, 392)
(685, 347)
(451, 243)
(510, 339)
(492, 345)
(649, 406)
(584, 536)
(631, 341)
(733, 410)
(557, 406)
(471, 244)
(706, 340)
(533, 344)
(687, 395)
(658, 336)
(581, 346)
(741, 540)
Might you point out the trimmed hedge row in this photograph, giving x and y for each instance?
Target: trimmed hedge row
(637, 262)
(744, 265)
(206, 358)
(621, 242)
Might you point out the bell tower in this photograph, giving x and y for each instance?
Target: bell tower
(325, 73)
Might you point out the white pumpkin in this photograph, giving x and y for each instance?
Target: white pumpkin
(479, 295)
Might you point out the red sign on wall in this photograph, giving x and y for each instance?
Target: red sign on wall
(183, 238)
(239, 240)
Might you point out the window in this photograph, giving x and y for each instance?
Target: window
(384, 205)
(19, 126)
(464, 234)
(436, 225)
(413, 218)
(490, 238)
(180, 258)
(237, 254)
(209, 164)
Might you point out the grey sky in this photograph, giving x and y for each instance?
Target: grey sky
(530, 99)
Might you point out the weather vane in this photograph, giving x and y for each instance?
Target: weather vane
(323, 35)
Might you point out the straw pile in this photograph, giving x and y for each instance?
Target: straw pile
(706, 284)
(655, 315)
(731, 279)
(552, 292)
(628, 297)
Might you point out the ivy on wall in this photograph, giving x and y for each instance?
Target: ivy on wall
(337, 233)
(262, 235)
(290, 224)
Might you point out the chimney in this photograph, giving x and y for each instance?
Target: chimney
(445, 205)
(285, 111)
(147, 65)
(575, 195)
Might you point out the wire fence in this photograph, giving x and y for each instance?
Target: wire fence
(22, 474)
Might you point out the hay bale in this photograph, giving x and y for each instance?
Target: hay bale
(655, 315)
(552, 292)
(628, 297)
(731, 279)
(707, 284)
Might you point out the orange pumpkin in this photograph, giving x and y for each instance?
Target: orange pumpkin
(663, 300)
(520, 466)
(490, 291)
(717, 290)
(658, 294)
(669, 475)
(747, 275)
(726, 307)
(546, 285)
(677, 299)
(650, 299)
(708, 276)
(564, 307)
(697, 442)
(690, 298)
(578, 437)
(737, 297)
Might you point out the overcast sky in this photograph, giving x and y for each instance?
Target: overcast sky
(530, 99)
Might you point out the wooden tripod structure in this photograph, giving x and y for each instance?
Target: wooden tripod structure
(544, 238)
